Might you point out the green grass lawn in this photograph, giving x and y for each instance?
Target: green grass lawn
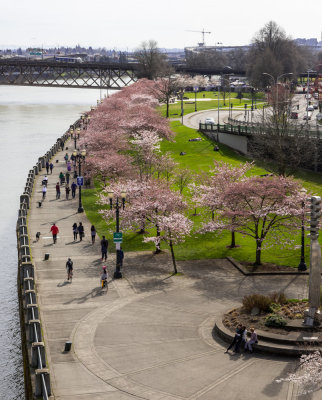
(200, 157)
(189, 105)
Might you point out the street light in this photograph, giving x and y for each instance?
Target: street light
(119, 203)
(79, 157)
(302, 266)
(195, 89)
(276, 84)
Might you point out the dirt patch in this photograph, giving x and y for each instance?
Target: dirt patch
(266, 267)
(289, 312)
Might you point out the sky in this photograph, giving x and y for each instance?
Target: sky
(125, 24)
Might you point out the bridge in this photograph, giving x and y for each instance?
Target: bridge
(62, 74)
(89, 75)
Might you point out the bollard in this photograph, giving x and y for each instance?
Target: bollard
(39, 390)
(34, 330)
(39, 166)
(46, 256)
(23, 240)
(35, 361)
(22, 221)
(32, 311)
(42, 161)
(68, 346)
(36, 170)
(30, 296)
(22, 213)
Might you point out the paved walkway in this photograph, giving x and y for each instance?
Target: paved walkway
(150, 335)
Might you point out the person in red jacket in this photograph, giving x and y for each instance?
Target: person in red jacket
(54, 230)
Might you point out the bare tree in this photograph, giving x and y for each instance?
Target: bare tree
(152, 63)
(274, 53)
(283, 145)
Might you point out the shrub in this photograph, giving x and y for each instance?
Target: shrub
(274, 307)
(256, 300)
(275, 320)
(278, 298)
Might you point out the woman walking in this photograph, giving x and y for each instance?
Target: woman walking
(75, 231)
(93, 233)
(81, 231)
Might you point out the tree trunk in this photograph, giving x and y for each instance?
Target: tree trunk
(233, 242)
(173, 258)
(158, 246)
(258, 252)
(167, 108)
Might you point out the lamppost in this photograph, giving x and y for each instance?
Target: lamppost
(79, 157)
(276, 84)
(181, 91)
(117, 238)
(307, 95)
(302, 266)
(195, 89)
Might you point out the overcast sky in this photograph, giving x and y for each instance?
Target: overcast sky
(124, 24)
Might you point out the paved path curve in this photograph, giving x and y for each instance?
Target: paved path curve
(150, 335)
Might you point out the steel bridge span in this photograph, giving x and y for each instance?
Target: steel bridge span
(88, 75)
(59, 74)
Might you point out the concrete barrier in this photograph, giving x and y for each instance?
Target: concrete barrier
(42, 383)
(34, 330)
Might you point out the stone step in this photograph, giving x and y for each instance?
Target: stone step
(271, 343)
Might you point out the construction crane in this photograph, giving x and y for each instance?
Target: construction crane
(203, 36)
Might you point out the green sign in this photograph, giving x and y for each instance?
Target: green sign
(117, 237)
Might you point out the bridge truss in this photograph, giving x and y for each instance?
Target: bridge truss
(62, 74)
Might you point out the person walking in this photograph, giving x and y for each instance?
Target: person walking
(66, 157)
(47, 167)
(67, 176)
(93, 233)
(75, 231)
(73, 187)
(54, 230)
(104, 277)
(69, 166)
(236, 337)
(45, 180)
(69, 268)
(44, 191)
(61, 145)
(81, 231)
(51, 166)
(104, 248)
(57, 191)
(67, 190)
(253, 339)
(61, 177)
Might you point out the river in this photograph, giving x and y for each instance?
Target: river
(31, 119)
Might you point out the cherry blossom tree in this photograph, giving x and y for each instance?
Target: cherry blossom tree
(146, 202)
(209, 193)
(256, 206)
(173, 230)
(308, 375)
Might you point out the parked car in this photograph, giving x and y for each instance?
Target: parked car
(316, 106)
(294, 115)
(307, 117)
(310, 108)
(308, 96)
(210, 121)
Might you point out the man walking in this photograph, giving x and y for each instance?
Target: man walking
(73, 187)
(47, 167)
(104, 247)
(69, 268)
(54, 230)
(57, 191)
(51, 166)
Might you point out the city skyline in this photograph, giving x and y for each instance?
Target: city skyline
(171, 24)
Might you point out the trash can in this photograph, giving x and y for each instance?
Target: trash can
(68, 346)
(46, 256)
